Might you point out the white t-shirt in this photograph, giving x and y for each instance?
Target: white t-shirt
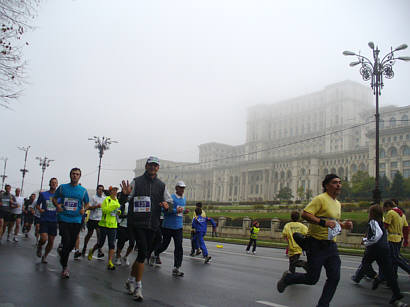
(20, 203)
(123, 222)
(96, 214)
(34, 206)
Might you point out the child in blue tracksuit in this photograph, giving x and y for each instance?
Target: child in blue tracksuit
(199, 225)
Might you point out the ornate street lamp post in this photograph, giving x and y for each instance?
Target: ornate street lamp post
(24, 170)
(101, 144)
(4, 176)
(375, 71)
(44, 163)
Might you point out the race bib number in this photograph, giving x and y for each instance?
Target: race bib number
(6, 202)
(113, 213)
(70, 204)
(50, 206)
(142, 204)
(181, 213)
(333, 232)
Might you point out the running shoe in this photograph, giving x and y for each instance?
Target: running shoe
(15, 239)
(177, 273)
(138, 295)
(395, 300)
(39, 251)
(117, 261)
(43, 260)
(253, 253)
(354, 279)
(77, 255)
(26, 235)
(281, 285)
(207, 259)
(248, 252)
(125, 261)
(59, 250)
(100, 255)
(90, 254)
(8, 238)
(158, 260)
(83, 252)
(110, 266)
(198, 252)
(130, 286)
(152, 260)
(65, 274)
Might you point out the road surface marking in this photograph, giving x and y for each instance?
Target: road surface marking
(270, 304)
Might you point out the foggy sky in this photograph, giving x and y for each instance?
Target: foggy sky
(162, 77)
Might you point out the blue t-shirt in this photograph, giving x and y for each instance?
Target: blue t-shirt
(45, 202)
(172, 219)
(72, 199)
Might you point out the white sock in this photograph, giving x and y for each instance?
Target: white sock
(131, 279)
(139, 284)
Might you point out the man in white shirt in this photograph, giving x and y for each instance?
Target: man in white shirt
(18, 212)
(94, 218)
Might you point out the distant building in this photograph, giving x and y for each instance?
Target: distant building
(294, 143)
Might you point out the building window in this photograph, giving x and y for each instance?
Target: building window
(392, 122)
(406, 163)
(382, 174)
(382, 165)
(382, 153)
(393, 152)
(406, 150)
(392, 174)
(393, 164)
(406, 173)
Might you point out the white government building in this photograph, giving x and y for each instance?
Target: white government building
(295, 143)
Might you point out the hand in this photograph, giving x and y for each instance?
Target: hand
(164, 205)
(42, 210)
(82, 210)
(330, 223)
(186, 211)
(347, 225)
(59, 208)
(125, 187)
(180, 209)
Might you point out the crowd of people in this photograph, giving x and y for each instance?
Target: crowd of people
(147, 216)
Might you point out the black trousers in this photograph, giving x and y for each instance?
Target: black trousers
(69, 233)
(295, 262)
(320, 253)
(144, 239)
(167, 235)
(251, 242)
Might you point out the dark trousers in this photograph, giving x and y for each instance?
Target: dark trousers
(251, 242)
(175, 234)
(384, 261)
(398, 261)
(111, 233)
(320, 253)
(295, 262)
(69, 233)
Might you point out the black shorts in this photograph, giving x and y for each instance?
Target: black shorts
(49, 228)
(36, 220)
(144, 238)
(18, 216)
(9, 217)
(28, 218)
(2, 214)
(92, 224)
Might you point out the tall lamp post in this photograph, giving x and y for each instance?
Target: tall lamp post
(375, 71)
(44, 163)
(101, 144)
(3, 177)
(24, 170)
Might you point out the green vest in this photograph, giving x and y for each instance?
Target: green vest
(254, 232)
(109, 209)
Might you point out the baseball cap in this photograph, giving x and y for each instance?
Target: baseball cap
(181, 184)
(112, 188)
(153, 159)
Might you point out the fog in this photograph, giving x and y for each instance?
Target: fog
(162, 77)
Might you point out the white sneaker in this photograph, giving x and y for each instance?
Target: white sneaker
(15, 239)
(138, 294)
(152, 260)
(125, 260)
(130, 286)
(253, 253)
(247, 252)
(8, 238)
(117, 261)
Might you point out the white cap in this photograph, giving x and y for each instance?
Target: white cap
(181, 184)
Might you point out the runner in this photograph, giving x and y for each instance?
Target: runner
(48, 220)
(94, 218)
(18, 212)
(172, 227)
(323, 213)
(195, 251)
(28, 214)
(71, 200)
(8, 205)
(123, 235)
(147, 195)
(36, 213)
(254, 235)
(199, 224)
(108, 226)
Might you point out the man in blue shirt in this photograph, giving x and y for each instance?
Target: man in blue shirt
(48, 220)
(172, 227)
(71, 200)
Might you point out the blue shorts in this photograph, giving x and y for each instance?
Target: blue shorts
(49, 228)
(36, 220)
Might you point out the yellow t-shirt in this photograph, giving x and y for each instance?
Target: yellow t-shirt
(395, 228)
(325, 207)
(288, 231)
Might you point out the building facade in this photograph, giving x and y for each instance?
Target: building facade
(294, 143)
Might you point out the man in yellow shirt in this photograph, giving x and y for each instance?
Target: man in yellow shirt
(393, 223)
(294, 250)
(323, 213)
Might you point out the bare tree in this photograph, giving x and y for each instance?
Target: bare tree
(15, 17)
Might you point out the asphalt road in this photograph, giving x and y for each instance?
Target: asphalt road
(233, 278)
